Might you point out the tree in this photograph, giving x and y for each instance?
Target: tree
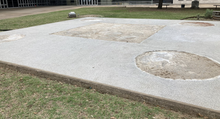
(160, 4)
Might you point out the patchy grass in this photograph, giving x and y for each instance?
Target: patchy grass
(140, 12)
(25, 96)
(111, 12)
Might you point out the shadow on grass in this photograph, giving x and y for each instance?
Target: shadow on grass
(5, 29)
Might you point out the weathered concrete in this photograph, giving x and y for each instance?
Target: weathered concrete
(113, 63)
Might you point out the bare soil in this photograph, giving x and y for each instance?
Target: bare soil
(113, 32)
(204, 24)
(178, 65)
(2, 37)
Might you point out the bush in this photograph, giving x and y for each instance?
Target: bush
(208, 13)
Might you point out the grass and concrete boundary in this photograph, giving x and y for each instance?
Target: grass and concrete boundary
(103, 88)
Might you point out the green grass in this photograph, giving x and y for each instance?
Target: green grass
(24, 96)
(111, 12)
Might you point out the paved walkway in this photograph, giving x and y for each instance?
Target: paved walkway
(17, 12)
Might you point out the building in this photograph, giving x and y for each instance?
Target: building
(31, 3)
(200, 1)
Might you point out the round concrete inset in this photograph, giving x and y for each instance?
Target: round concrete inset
(204, 24)
(177, 65)
(7, 38)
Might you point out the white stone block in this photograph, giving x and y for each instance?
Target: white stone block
(72, 14)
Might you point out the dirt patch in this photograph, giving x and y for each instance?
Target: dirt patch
(197, 24)
(2, 37)
(134, 33)
(7, 38)
(178, 65)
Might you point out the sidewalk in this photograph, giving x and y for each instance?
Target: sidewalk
(24, 11)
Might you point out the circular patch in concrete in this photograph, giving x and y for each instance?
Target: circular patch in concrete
(177, 65)
(7, 38)
(197, 24)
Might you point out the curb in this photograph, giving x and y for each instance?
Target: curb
(124, 93)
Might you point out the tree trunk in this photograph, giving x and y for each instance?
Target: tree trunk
(160, 4)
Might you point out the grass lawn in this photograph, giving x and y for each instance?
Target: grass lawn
(111, 12)
(24, 96)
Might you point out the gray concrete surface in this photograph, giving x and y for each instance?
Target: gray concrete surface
(113, 63)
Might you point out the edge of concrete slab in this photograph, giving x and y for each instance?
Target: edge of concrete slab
(103, 88)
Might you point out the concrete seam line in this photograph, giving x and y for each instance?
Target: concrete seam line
(103, 88)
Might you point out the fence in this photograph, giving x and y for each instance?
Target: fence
(127, 3)
(88, 2)
(30, 3)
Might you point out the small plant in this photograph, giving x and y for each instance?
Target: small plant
(208, 13)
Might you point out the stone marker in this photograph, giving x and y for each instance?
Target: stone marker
(72, 14)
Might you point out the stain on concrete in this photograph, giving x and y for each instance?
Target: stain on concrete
(8, 38)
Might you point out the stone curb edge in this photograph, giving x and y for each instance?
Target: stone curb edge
(103, 88)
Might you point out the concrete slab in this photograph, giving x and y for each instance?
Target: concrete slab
(114, 63)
